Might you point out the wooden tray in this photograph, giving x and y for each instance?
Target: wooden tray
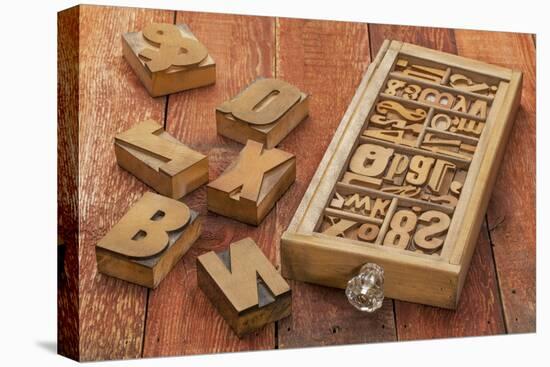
(406, 180)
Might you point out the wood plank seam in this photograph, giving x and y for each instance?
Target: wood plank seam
(145, 319)
(491, 246)
(276, 208)
(373, 52)
(165, 124)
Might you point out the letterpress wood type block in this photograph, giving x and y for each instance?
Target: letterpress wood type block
(251, 186)
(244, 286)
(148, 240)
(266, 111)
(159, 160)
(407, 177)
(168, 58)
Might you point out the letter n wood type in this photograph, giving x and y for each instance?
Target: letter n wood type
(244, 286)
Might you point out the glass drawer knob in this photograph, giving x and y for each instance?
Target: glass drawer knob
(365, 291)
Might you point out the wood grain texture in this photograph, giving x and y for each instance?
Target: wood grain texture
(326, 60)
(511, 213)
(441, 39)
(245, 47)
(112, 312)
(68, 336)
(479, 311)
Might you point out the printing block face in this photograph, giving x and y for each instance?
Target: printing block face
(148, 240)
(159, 160)
(168, 58)
(251, 186)
(244, 286)
(266, 111)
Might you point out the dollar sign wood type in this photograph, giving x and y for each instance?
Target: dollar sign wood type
(168, 58)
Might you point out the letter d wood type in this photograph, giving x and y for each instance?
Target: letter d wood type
(244, 286)
(266, 111)
(148, 240)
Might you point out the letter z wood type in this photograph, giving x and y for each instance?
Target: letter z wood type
(148, 240)
(249, 188)
(244, 286)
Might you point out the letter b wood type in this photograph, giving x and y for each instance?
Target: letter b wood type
(148, 240)
(159, 160)
(266, 111)
(249, 188)
(244, 286)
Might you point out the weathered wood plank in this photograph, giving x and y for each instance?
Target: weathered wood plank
(326, 59)
(112, 312)
(243, 48)
(68, 336)
(511, 213)
(479, 311)
(441, 39)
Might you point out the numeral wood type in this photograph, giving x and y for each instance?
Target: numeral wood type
(148, 240)
(407, 177)
(159, 160)
(168, 58)
(266, 111)
(244, 286)
(251, 186)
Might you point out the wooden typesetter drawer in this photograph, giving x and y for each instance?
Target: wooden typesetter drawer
(406, 180)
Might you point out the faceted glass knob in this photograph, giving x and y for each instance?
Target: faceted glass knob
(365, 291)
